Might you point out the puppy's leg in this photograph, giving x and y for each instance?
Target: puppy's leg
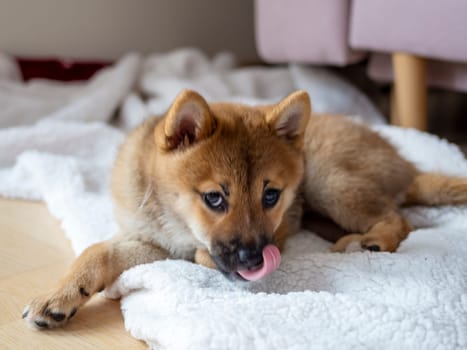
(385, 235)
(96, 268)
(365, 208)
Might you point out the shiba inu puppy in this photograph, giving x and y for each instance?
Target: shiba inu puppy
(225, 185)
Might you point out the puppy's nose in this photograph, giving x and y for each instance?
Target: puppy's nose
(249, 257)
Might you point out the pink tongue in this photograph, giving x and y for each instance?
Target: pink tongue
(271, 261)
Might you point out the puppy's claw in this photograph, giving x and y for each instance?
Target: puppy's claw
(72, 313)
(372, 248)
(41, 324)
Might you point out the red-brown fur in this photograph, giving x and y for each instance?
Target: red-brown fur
(341, 169)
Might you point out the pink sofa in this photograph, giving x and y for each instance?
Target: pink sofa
(416, 43)
(308, 31)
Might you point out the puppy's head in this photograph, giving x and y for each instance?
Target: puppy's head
(231, 172)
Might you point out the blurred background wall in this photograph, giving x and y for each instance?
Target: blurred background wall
(105, 29)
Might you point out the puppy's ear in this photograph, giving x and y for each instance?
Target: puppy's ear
(188, 120)
(290, 117)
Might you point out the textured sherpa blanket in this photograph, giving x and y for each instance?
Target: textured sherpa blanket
(56, 146)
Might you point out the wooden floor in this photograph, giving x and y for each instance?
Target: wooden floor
(34, 253)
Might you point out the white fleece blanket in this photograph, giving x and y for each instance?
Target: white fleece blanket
(56, 146)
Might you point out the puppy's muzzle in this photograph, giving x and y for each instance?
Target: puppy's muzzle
(232, 257)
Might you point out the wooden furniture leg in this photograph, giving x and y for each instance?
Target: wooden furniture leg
(394, 118)
(409, 98)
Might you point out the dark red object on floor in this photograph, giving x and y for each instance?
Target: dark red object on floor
(57, 69)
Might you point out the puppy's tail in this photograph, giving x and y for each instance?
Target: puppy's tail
(437, 189)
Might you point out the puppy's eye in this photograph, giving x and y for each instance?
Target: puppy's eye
(270, 197)
(215, 201)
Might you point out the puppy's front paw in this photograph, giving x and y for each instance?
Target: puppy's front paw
(372, 242)
(54, 309)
